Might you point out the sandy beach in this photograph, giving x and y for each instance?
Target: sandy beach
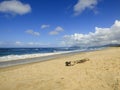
(101, 72)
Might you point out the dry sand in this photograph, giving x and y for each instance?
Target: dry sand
(101, 72)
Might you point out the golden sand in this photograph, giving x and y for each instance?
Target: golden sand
(101, 72)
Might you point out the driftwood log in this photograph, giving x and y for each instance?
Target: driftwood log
(71, 63)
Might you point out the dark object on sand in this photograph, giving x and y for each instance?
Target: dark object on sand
(82, 61)
(71, 63)
(68, 63)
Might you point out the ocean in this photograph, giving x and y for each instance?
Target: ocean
(8, 54)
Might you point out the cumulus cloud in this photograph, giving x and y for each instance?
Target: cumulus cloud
(101, 36)
(84, 4)
(32, 32)
(56, 31)
(14, 7)
(44, 26)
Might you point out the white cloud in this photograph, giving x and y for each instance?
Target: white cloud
(44, 26)
(22, 44)
(32, 32)
(33, 44)
(101, 36)
(14, 7)
(56, 31)
(59, 29)
(84, 4)
(18, 43)
(10, 44)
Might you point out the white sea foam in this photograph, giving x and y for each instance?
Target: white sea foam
(27, 56)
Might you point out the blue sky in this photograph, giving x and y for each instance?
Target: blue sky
(46, 23)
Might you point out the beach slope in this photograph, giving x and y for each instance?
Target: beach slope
(101, 72)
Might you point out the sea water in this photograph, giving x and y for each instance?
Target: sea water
(8, 54)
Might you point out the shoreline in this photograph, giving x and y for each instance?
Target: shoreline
(10, 63)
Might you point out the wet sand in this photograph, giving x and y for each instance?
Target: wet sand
(101, 72)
